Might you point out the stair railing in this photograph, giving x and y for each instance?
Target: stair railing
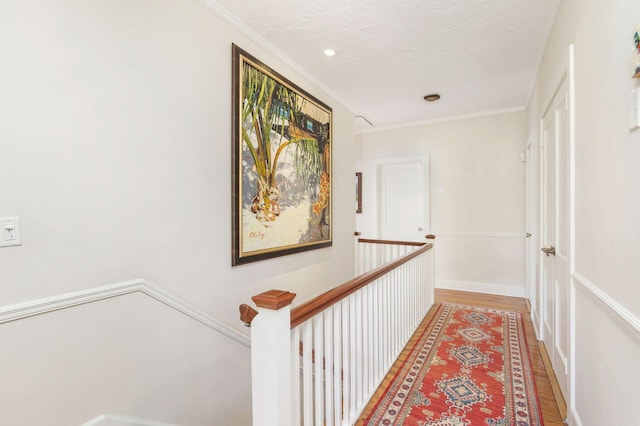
(371, 253)
(320, 363)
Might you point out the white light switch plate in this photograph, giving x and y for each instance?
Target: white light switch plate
(10, 233)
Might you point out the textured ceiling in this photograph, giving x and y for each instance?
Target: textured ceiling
(480, 55)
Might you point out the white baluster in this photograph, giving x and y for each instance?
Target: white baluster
(318, 350)
(365, 340)
(379, 327)
(350, 352)
(417, 287)
(410, 298)
(328, 366)
(295, 376)
(373, 327)
(403, 301)
(359, 354)
(394, 313)
(337, 359)
(307, 373)
(387, 319)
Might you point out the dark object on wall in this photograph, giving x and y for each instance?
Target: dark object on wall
(358, 192)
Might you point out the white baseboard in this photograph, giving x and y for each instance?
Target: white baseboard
(95, 294)
(574, 418)
(477, 287)
(534, 320)
(110, 420)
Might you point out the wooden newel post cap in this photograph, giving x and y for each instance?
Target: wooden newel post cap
(273, 299)
(247, 314)
(430, 237)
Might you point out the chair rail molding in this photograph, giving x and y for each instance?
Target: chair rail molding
(480, 234)
(68, 300)
(627, 320)
(111, 420)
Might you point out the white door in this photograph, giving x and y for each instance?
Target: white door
(403, 198)
(555, 234)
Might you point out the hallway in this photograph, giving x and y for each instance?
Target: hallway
(550, 411)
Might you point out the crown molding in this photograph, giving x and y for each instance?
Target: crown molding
(444, 119)
(247, 31)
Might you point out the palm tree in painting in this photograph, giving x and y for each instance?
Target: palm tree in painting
(273, 123)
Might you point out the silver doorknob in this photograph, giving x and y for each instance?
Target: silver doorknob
(549, 250)
(419, 228)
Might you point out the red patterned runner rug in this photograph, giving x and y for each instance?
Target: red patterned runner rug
(470, 366)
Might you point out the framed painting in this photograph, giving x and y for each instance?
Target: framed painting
(281, 164)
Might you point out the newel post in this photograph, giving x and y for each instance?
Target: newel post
(271, 359)
(432, 264)
(357, 254)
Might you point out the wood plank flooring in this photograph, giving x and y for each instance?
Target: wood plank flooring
(550, 411)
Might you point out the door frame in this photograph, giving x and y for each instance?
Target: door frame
(565, 71)
(531, 226)
(427, 184)
(545, 168)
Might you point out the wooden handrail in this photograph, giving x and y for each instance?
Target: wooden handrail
(318, 304)
(397, 243)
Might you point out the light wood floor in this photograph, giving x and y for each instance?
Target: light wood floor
(550, 411)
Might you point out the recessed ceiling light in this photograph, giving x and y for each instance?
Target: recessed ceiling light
(432, 97)
(329, 52)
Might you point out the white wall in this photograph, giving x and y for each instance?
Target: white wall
(607, 230)
(477, 195)
(128, 355)
(116, 150)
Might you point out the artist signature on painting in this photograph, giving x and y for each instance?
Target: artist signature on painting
(256, 235)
